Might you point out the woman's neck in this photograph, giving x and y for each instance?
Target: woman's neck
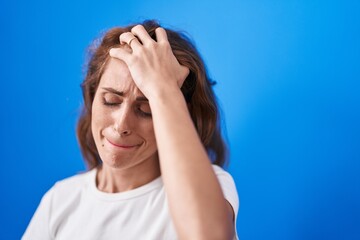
(114, 180)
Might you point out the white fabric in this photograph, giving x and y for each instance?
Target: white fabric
(75, 209)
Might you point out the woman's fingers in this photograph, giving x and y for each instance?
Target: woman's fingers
(161, 35)
(152, 64)
(140, 32)
(129, 39)
(120, 53)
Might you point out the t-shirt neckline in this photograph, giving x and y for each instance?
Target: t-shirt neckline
(133, 193)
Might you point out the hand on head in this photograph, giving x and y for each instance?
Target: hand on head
(152, 64)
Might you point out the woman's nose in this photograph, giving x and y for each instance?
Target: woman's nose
(122, 131)
(123, 122)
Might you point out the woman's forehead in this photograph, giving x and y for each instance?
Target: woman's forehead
(117, 76)
(116, 73)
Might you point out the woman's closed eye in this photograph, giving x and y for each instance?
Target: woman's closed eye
(111, 103)
(144, 110)
(111, 100)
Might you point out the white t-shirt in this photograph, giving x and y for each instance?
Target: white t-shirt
(75, 209)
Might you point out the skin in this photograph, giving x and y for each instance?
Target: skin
(196, 201)
(123, 132)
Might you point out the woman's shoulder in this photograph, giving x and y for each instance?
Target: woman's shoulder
(73, 185)
(220, 172)
(77, 179)
(228, 186)
(224, 177)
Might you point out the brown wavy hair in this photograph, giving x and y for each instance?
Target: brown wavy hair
(197, 90)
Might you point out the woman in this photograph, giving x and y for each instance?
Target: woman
(149, 132)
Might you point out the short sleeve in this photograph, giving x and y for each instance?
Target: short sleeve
(38, 227)
(228, 187)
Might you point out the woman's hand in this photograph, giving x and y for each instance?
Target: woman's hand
(152, 64)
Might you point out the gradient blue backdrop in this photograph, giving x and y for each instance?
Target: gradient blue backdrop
(288, 82)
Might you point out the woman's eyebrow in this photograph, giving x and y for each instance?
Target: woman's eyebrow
(114, 91)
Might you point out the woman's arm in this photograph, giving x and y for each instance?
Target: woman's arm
(197, 205)
(196, 201)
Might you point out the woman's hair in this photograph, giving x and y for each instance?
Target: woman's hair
(197, 90)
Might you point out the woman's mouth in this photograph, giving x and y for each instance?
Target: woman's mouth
(123, 146)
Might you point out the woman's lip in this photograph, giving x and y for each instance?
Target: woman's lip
(121, 146)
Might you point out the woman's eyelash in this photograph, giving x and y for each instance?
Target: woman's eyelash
(110, 103)
(138, 110)
(144, 114)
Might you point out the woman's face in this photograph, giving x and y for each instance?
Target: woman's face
(121, 120)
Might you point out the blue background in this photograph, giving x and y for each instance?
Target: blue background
(288, 82)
